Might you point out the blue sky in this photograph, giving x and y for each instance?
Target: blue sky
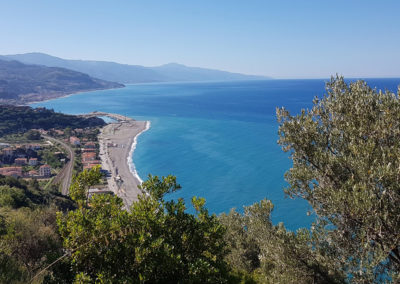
(282, 39)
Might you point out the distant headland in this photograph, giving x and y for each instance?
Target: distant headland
(131, 74)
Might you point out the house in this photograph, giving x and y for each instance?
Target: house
(33, 147)
(8, 151)
(33, 173)
(45, 171)
(11, 171)
(89, 145)
(59, 132)
(4, 145)
(20, 161)
(91, 164)
(42, 131)
(88, 157)
(33, 161)
(74, 140)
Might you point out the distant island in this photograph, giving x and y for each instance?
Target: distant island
(21, 83)
(130, 74)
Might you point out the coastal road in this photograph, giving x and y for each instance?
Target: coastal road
(65, 175)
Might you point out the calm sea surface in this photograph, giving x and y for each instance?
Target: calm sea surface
(219, 139)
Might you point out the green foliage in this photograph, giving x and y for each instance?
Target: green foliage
(81, 183)
(18, 119)
(50, 159)
(13, 197)
(346, 160)
(29, 239)
(17, 193)
(28, 242)
(156, 241)
(267, 253)
(32, 135)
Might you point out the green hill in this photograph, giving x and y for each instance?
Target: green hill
(21, 83)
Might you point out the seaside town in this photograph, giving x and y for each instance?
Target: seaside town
(45, 158)
(54, 156)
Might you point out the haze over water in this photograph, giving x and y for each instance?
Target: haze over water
(218, 138)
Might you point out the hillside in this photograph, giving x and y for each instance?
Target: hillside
(22, 83)
(19, 119)
(124, 73)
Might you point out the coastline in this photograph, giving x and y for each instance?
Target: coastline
(117, 143)
(130, 162)
(66, 96)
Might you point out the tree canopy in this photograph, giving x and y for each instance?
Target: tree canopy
(346, 164)
(155, 241)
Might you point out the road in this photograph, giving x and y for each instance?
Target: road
(65, 175)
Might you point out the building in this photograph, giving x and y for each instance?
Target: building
(33, 161)
(45, 171)
(74, 140)
(91, 164)
(88, 157)
(4, 145)
(20, 161)
(33, 173)
(33, 147)
(42, 131)
(11, 171)
(59, 132)
(89, 145)
(8, 151)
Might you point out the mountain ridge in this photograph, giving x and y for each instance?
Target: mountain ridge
(129, 74)
(23, 83)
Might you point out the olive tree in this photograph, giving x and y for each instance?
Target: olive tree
(346, 164)
(271, 254)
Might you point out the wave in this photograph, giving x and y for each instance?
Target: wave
(131, 165)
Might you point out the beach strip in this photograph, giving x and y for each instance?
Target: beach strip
(117, 142)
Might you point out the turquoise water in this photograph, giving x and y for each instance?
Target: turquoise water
(218, 138)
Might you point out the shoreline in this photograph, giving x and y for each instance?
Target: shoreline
(67, 95)
(117, 144)
(130, 162)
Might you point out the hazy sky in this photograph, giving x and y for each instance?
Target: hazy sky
(282, 39)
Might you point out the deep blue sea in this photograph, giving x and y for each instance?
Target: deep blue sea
(218, 138)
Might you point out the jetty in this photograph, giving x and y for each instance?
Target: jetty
(117, 117)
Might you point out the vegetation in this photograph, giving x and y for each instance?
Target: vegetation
(32, 135)
(19, 119)
(26, 83)
(48, 157)
(346, 162)
(156, 241)
(270, 254)
(29, 239)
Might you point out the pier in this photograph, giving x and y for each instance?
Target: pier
(117, 117)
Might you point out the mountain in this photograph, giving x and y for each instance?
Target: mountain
(124, 73)
(22, 83)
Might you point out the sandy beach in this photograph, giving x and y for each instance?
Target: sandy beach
(117, 142)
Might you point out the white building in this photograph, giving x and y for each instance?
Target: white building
(45, 171)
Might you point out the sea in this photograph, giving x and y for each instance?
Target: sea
(218, 138)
